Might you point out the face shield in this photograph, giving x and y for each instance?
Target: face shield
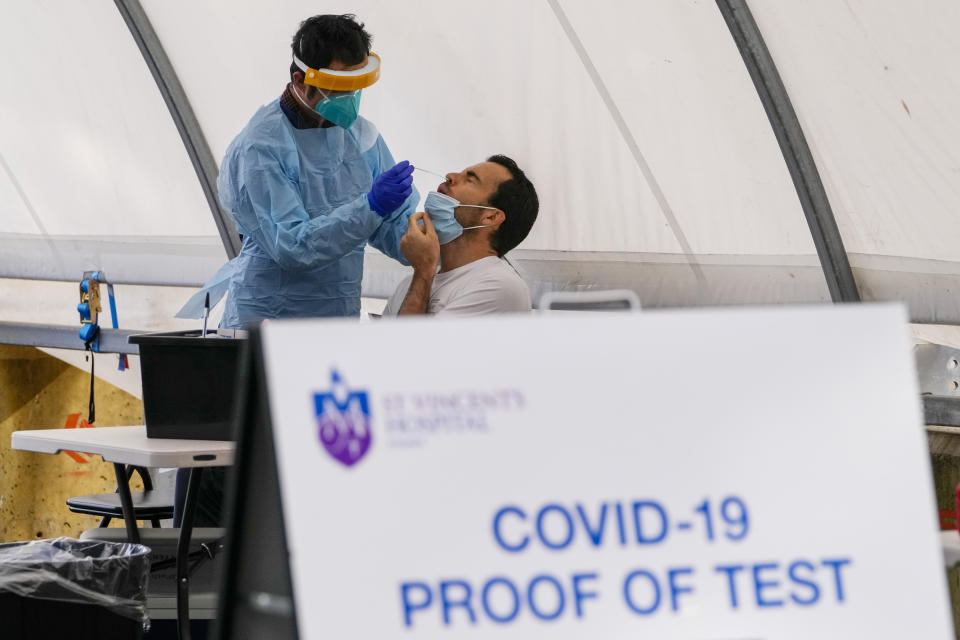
(340, 89)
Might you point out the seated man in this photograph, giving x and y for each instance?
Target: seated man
(472, 220)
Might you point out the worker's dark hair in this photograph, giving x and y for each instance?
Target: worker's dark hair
(518, 200)
(322, 39)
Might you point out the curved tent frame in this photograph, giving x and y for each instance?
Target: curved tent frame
(796, 152)
(182, 113)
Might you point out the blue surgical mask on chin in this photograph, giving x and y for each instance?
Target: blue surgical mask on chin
(442, 209)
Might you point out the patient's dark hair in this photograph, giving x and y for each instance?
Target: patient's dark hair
(322, 39)
(518, 200)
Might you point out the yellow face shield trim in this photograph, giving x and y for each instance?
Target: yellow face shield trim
(333, 80)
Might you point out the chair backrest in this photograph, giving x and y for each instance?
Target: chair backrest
(144, 475)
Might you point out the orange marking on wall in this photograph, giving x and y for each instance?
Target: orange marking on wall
(74, 422)
(77, 456)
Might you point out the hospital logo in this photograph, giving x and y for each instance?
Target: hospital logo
(343, 421)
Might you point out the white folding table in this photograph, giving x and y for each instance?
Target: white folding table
(127, 445)
(130, 445)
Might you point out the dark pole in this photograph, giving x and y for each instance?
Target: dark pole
(182, 114)
(793, 145)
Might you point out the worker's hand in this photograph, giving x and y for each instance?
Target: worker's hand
(420, 245)
(391, 188)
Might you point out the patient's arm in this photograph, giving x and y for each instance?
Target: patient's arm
(418, 295)
(421, 248)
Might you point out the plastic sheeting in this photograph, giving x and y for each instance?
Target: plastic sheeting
(105, 574)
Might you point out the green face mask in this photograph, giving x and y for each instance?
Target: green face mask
(341, 109)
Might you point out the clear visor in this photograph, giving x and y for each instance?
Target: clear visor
(341, 80)
(337, 95)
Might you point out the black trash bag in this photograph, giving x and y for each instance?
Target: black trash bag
(107, 574)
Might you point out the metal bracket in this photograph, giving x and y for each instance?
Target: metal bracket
(938, 370)
(938, 374)
(941, 412)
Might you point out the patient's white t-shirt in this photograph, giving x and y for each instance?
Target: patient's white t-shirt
(487, 285)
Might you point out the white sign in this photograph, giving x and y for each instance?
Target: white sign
(713, 475)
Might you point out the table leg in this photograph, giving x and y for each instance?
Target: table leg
(183, 552)
(126, 503)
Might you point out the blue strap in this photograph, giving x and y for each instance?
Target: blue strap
(94, 345)
(122, 357)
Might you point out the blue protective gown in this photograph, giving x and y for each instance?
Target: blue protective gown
(299, 199)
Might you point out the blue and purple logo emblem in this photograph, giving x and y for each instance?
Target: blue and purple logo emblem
(343, 421)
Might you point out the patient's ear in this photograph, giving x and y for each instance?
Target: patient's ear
(494, 218)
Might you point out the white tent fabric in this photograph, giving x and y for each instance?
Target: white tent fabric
(656, 165)
(874, 86)
(93, 174)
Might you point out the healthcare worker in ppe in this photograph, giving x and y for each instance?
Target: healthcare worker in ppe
(309, 182)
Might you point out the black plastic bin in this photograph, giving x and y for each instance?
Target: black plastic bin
(77, 589)
(188, 384)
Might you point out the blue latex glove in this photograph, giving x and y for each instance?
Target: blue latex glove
(391, 188)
